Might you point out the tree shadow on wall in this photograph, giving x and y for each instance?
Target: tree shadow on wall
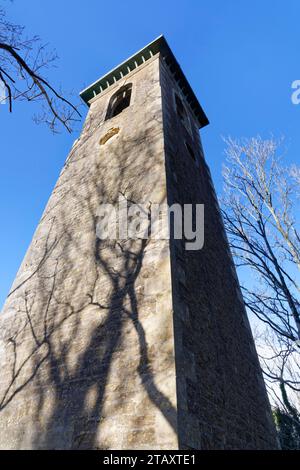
(67, 366)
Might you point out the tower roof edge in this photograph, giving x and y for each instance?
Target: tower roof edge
(159, 45)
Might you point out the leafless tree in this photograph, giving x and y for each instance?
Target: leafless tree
(22, 64)
(259, 209)
(280, 362)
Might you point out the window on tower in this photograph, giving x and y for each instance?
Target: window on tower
(181, 112)
(190, 150)
(119, 101)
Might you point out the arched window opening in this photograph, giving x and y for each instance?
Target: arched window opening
(179, 107)
(181, 111)
(119, 101)
(190, 150)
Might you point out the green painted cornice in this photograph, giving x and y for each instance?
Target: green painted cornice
(159, 45)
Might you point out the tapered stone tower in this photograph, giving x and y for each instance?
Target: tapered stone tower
(131, 343)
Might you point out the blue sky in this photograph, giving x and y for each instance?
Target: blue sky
(239, 56)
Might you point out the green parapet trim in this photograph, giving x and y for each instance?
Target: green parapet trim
(159, 45)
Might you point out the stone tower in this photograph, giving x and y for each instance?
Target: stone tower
(131, 343)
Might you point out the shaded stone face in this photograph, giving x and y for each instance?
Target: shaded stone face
(221, 397)
(130, 344)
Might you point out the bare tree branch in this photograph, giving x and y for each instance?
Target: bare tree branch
(21, 63)
(259, 208)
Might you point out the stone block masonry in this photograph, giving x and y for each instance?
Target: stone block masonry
(130, 344)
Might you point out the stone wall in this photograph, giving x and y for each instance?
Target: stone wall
(134, 344)
(87, 356)
(222, 401)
